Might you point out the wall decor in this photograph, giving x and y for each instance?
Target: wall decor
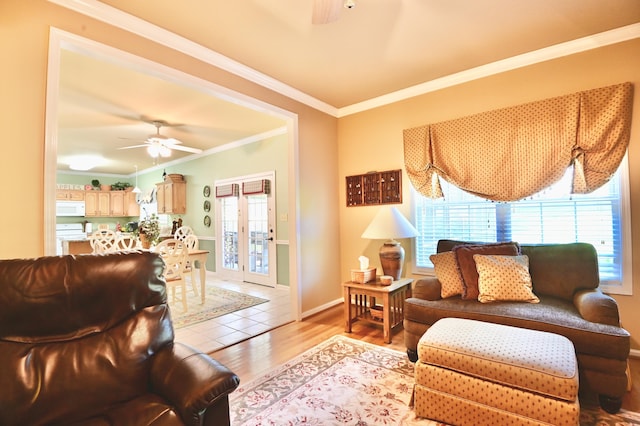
(207, 221)
(374, 188)
(207, 206)
(206, 191)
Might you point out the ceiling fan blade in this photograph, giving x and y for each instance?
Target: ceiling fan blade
(164, 140)
(135, 146)
(185, 148)
(326, 11)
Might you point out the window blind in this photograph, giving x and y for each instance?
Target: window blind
(550, 216)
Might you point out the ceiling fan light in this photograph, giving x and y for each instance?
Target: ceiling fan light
(164, 151)
(153, 150)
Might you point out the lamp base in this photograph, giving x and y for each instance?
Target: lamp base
(392, 259)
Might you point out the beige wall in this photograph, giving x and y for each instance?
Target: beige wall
(24, 36)
(372, 140)
(329, 149)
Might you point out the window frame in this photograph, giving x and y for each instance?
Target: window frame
(625, 287)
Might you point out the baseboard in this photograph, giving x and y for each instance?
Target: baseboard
(321, 308)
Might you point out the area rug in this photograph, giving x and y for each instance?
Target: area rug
(343, 381)
(218, 301)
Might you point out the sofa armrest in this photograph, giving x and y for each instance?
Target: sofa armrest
(428, 288)
(595, 306)
(191, 380)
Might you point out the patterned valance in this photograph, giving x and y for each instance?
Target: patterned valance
(261, 186)
(512, 153)
(229, 190)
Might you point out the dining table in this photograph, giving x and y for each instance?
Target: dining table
(199, 256)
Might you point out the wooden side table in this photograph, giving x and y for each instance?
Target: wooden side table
(359, 298)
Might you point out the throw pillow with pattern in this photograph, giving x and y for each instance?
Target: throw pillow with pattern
(504, 278)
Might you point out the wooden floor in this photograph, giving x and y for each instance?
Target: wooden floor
(253, 357)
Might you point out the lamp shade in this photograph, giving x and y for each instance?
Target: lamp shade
(388, 224)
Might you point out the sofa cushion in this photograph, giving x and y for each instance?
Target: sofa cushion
(466, 264)
(446, 268)
(504, 278)
(560, 270)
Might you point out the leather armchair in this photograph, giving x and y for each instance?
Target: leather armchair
(88, 340)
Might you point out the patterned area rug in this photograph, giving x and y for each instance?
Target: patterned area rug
(348, 382)
(218, 302)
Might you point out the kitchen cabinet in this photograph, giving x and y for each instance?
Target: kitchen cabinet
(123, 203)
(110, 204)
(116, 203)
(69, 195)
(97, 203)
(131, 206)
(172, 197)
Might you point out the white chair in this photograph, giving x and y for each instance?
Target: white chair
(192, 243)
(124, 243)
(182, 232)
(174, 253)
(103, 241)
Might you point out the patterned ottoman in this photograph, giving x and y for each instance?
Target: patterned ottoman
(477, 373)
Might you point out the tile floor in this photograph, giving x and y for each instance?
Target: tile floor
(226, 330)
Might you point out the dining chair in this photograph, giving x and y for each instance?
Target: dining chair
(174, 253)
(103, 241)
(125, 242)
(192, 243)
(182, 232)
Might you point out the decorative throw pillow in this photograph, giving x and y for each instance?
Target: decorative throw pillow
(504, 278)
(466, 264)
(446, 267)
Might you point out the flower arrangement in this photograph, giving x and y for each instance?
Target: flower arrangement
(150, 228)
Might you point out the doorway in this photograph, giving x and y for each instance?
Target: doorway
(60, 40)
(245, 212)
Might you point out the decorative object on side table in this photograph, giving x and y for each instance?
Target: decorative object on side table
(389, 224)
(148, 231)
(386, 279)
(365, 274)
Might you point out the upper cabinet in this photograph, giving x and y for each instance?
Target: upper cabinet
(69, 195)
(97, 203)
(172, 197)
(111, 204)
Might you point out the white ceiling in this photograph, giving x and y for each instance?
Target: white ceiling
(105, 106)
(377, 48)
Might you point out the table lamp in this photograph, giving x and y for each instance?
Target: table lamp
(389, 224)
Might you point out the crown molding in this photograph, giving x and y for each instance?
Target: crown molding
(595, 41)
(115, 17)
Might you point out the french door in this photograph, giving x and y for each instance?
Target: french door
(246, 228)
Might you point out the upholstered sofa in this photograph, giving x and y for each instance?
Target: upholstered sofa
(565, 280)
(88, 340)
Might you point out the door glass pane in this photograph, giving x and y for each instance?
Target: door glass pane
(258, 227)
(230, 232)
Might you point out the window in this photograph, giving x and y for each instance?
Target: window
(601, 218)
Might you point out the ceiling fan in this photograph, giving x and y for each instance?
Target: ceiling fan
(327, 11)
(160, 146)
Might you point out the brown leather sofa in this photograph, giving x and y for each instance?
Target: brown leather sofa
(565, 278)
(88, 340)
